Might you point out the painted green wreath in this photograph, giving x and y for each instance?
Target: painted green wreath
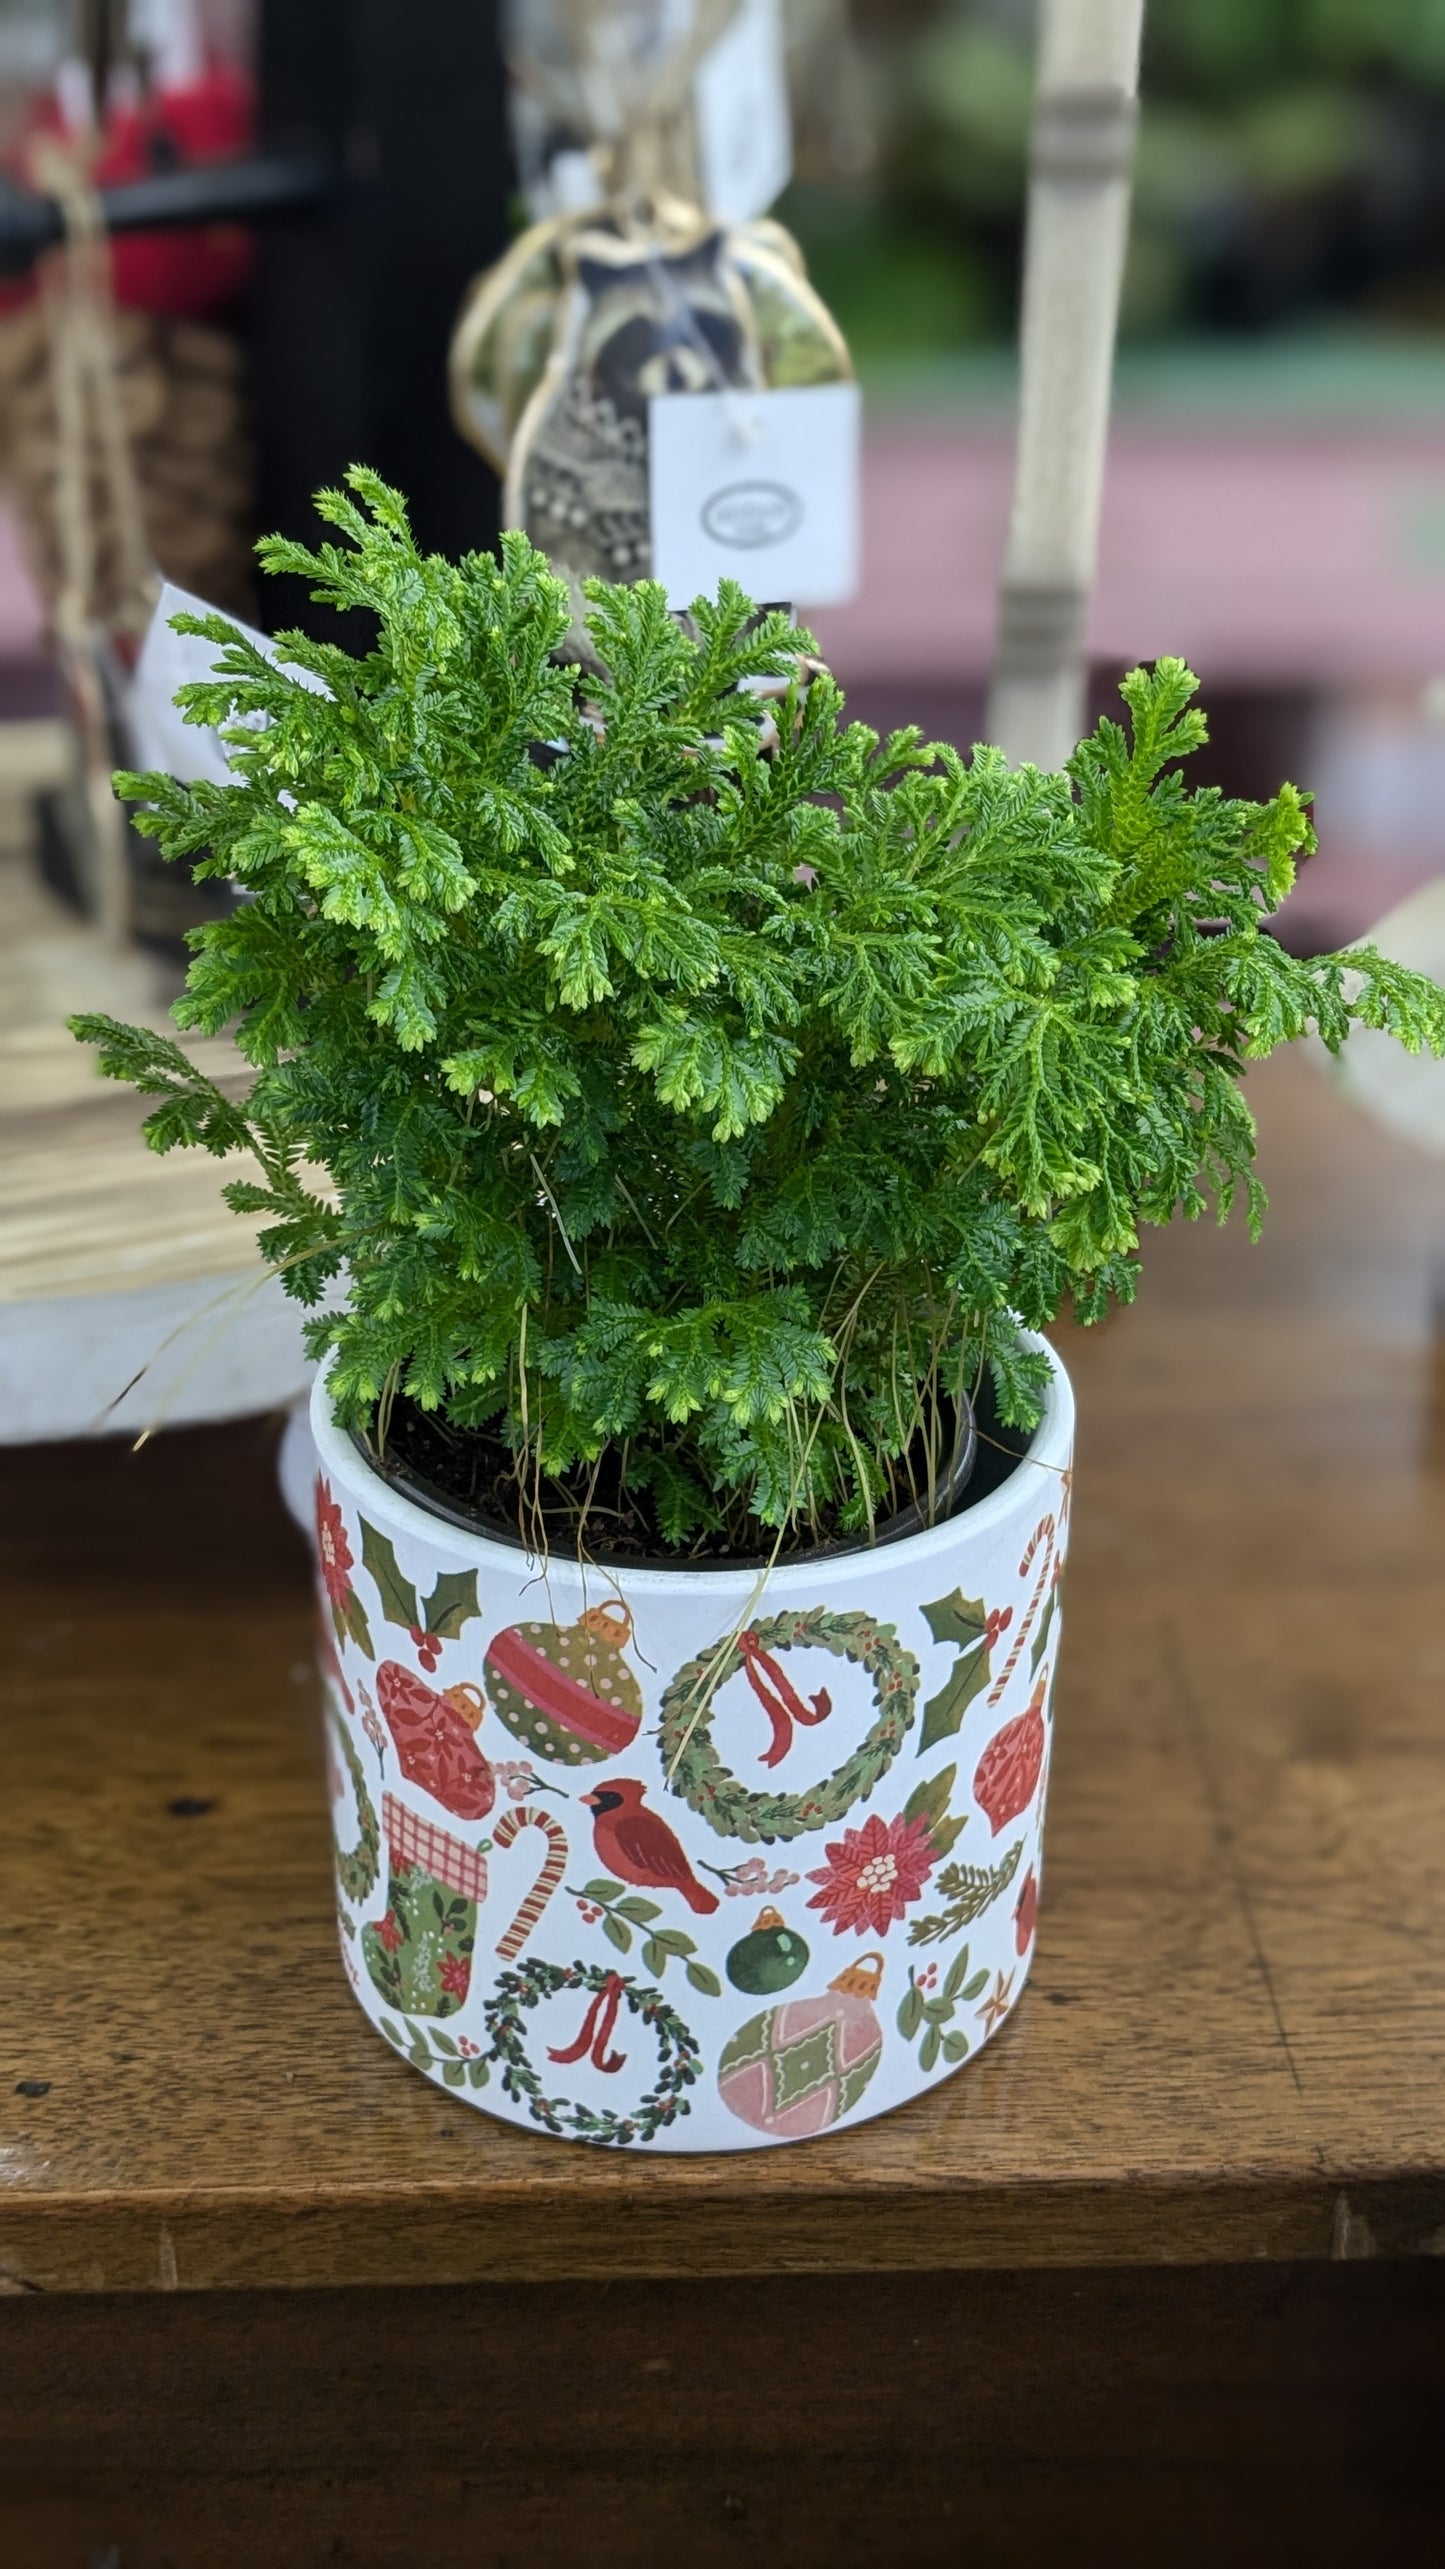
(357, 1871)
(695, 1771)
(679, 2057)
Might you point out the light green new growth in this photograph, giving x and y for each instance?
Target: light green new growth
(720, 1083)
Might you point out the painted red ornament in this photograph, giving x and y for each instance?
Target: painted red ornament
(1026, 1912)
(1007, 1775)
(435, 1739)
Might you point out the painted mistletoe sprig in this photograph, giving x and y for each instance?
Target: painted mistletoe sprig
(697, 1080)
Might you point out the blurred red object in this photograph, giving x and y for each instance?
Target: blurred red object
(188, 274)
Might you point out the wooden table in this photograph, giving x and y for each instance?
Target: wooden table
(1157, 2279)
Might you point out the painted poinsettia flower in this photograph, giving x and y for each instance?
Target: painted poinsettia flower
(331, 1544)
(455, 1975)
(873, 1873)
(388, 1932)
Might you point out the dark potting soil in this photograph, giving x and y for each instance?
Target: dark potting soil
(467, 1476)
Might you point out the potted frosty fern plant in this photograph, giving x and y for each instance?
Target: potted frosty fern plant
(713, 1105)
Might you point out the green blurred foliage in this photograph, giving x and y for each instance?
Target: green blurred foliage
(1291, 166)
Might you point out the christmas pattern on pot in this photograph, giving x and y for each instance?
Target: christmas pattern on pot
(688, 1863)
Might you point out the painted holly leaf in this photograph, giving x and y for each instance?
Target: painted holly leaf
(957, 1974)
(928, 2049)
(702, 1978)
(639, 1911)
(453, 1602)
(978, 1983)
(398, 1596)
(351, 1624)
(454, 2073)
(957, 1618)
(478, 2073)
(618, 1935)
(602, 1890)
(955, 2047)
(929, 1802)
(964, 1621)
(1041, 1637)
(910, 2013)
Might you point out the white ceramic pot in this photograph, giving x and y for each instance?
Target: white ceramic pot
(689, 1859)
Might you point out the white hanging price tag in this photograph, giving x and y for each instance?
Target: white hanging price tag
(159, 735)
(760, 487)
(744, 127)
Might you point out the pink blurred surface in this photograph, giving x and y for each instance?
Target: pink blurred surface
(20, 618)
(1284, 557)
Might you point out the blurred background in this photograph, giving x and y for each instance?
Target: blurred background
(1275, 505)
(1275, 499)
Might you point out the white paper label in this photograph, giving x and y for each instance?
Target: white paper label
(160, 736)
(760, 487)
(744, 128)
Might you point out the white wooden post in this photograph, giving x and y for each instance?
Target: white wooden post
(1081, 163)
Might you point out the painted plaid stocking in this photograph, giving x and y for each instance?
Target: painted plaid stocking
(420, 1954)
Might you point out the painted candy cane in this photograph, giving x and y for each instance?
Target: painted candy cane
(1043, 1534)
(547, 1880)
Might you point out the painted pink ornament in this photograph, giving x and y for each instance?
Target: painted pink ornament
(1007, 1775)
(800, 2067)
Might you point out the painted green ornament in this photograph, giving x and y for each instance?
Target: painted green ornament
(565, 1690)
(768, 1960)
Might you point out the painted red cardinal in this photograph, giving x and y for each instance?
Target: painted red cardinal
(639, 1847)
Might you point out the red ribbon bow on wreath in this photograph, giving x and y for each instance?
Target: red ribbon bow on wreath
(779, 1699)
(596, 2031)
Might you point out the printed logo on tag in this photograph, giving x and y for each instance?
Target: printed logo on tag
(760, 487)
(750, 514)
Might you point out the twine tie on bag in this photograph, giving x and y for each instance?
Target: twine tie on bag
(78, 314)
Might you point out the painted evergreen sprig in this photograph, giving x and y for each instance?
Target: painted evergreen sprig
(694, 1076)
(969, 1889)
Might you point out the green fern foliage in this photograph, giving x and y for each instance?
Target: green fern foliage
(696, 1074)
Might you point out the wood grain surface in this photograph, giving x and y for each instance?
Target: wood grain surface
(1267, 2416)
(1233, 2042)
